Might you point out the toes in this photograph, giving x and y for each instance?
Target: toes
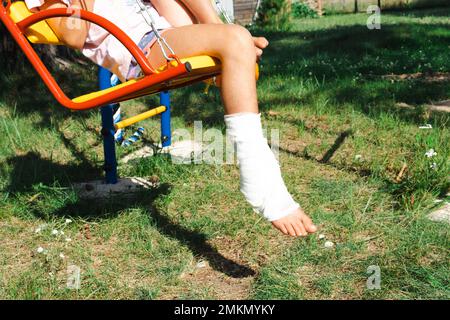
(296, 224)
(302, 229)
(280, 227)
(284, 230)
(290, 230)
(298, 229)
(308, 224)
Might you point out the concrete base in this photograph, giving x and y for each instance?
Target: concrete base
(98, 189)
(185, 151)
(442, 214)
(181, 152)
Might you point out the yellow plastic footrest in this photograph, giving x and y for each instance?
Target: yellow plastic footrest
(145, 115)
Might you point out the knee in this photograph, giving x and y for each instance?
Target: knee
(239, 42)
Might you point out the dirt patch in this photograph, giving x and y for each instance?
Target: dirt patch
(293, 146)
(218, 284)
(4, 113)
(373, 242)
(15, 251)
(419, 76)
(441, 106)
(430, 258)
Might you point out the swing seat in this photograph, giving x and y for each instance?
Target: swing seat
(201, 68)
(27, 27)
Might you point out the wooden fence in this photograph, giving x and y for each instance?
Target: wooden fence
(348, 6)
(244, 10)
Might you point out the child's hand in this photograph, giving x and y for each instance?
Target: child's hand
(296, 224)
(260, 44)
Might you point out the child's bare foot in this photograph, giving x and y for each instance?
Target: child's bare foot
(296, 224)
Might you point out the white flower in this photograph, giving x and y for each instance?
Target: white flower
(329, 244)
(54, 232)
(61, 255)
(40, 250)
(321, 236)
(430, 153)
(61, 232)
(433, 166)
(68, 221)
(68, 239)
(40, 228)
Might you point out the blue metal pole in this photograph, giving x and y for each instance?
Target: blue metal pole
(166, 131)
(109, 148)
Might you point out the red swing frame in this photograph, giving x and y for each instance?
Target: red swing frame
(151, 76)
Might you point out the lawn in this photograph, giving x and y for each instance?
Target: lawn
(332, 88)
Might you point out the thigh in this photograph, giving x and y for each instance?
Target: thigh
(174, 12)
(198, 39)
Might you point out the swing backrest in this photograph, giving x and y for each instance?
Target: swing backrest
(38, 33)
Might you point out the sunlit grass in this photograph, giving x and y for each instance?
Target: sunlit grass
(343, 143)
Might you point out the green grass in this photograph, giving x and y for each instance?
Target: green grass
(343, 143)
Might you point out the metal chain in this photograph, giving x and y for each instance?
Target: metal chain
(222, 10)
(143, 10)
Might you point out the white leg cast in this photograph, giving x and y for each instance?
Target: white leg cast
(261, 180)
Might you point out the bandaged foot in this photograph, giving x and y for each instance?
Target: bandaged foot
(261, 181)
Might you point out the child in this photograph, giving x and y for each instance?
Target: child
(261, 181)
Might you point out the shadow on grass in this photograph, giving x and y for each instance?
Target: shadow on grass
(23, 90)
(345, 65)
(325, 159)
(336, 145)
(197, 243)
(30, 170)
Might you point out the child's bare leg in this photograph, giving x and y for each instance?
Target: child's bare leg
(174, 12)
(235, 47)
(178, 15)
